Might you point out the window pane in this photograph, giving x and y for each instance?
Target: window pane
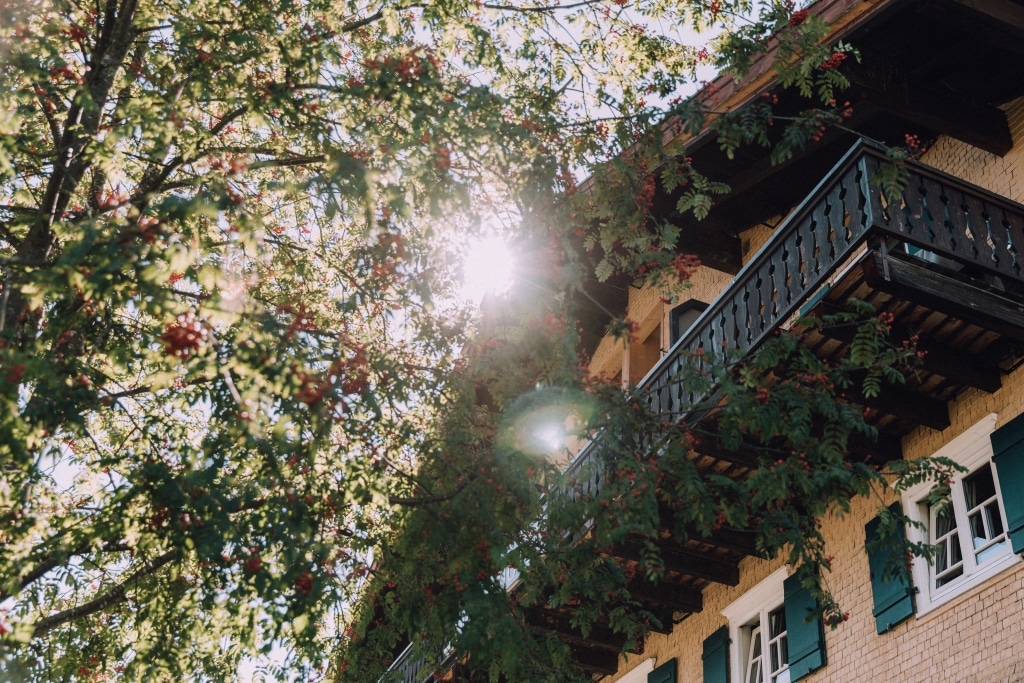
(984, 516)
(776, 623)
(778, 648)
(949, 558)
(979, 487)
(754, 673)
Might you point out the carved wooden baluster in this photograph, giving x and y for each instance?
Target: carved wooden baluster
(835, 213)
(1012, 224)
(938, 207)
(975, 245)
(855, 203)
(916, 218)
(825, 254)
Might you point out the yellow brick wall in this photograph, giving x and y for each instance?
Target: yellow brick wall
(976, 637)
(644, 303)
(754, 238)
(1003, 175)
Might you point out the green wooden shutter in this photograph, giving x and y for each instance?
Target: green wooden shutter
(1008, 457)
(666, 673)
(893, 595)
(716, 657)
(806, 639)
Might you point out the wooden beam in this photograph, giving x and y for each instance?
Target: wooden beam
(671, 596)
(593, 661)
(665, 616)
(888, 85)
(944, 294)
(710, 445)
(736, 540)
(1002, 11)
(682, 561)
(882, 449)
(938, 359)
(903, 403)
(956, 366)
(599, 636)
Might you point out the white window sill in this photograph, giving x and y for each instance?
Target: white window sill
(948, 594)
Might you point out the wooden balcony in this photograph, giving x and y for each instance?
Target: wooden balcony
(945, 258)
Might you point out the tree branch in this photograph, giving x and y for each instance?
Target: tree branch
(427, 500)
(115, 595)
(51, 562)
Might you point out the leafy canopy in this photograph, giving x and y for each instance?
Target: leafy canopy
(234, 382)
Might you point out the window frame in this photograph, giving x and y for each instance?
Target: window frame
(638, 674)
(973, 450)
(757, 603)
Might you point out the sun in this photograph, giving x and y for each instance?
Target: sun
(488, 268)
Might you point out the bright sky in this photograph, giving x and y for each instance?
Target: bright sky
(488, 267)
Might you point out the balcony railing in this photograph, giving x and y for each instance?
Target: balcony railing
(935, 212)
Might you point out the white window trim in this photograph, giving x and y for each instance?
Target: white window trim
(638, 674)
(766, 595)
(972, 449)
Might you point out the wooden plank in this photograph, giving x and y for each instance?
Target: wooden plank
(942, 293)
(683, 561)
(600, 637)
(668, 595)
(938, 359)
(595, 661)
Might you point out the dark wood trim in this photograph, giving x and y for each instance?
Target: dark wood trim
(599, 637)
(670, 596)
(922, 286)
(595, 661)
(682, 561)
(939, 359)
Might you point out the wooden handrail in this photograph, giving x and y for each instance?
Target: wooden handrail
(935, 212)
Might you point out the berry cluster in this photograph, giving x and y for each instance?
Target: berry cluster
(833, 62)
(184, 336)
(914, 145)
(798, 17)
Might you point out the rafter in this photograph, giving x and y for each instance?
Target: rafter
(681, 560)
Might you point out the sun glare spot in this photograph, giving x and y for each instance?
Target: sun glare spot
(488, 268)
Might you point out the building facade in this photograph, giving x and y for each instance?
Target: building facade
(961, 616)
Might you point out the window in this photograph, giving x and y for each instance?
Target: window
(683, 317)
(757, 626)
(771, 637)
(767, 658)
(968, 525)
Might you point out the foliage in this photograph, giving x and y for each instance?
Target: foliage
(782, 408)
(237, 392)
